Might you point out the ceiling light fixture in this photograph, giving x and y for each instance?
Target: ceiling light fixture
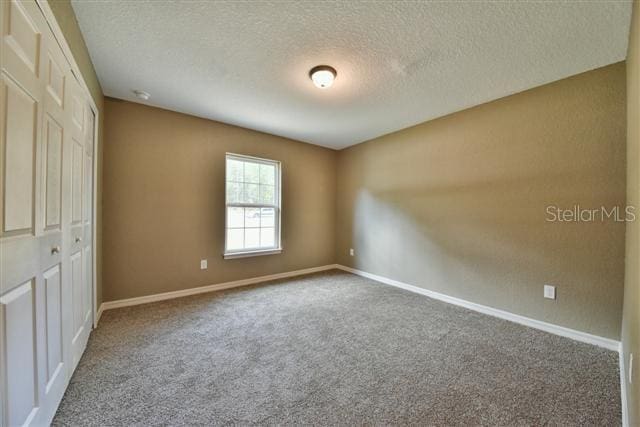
(323, 76)
(142, 94)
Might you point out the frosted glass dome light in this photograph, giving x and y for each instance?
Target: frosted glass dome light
(323, 76)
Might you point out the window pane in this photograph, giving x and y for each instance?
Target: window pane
(251, 238)
(250, 182)
(235, 217)
(234, 170)
(234, 192)
(252, 217)
(268, 174)
(251, 193)
(235, 238)
(267, 217)
(251, 172)
(267, 237)
(267, 194)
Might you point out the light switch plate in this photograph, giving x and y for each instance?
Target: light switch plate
(549, 291)
(203, 264)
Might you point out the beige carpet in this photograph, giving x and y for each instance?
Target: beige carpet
(333, 349)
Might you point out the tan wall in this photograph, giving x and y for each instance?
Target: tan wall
(66, 18)
(164, 201)
(457, 205)
(631, 313)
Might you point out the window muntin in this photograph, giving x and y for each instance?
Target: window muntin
(252, 205)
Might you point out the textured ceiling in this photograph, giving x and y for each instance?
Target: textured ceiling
(399, 64)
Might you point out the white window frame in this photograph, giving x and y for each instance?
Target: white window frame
(277, 248)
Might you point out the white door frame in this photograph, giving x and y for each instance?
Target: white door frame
(66, 50)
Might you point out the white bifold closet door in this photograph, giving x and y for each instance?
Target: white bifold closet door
(46, 151)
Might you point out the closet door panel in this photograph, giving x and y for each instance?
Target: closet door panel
(80, 333)
(53, 293)
(77, 159)
(20, 121)
(21, 42)
(17, 312)
(53, 173)
(88, 279)
(55, 78)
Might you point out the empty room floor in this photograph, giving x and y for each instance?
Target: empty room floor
(333, 348)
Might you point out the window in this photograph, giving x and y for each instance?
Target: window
(253, 206)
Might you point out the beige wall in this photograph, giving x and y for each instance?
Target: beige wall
(457, 205)
(67, 20)
(164, 201)
(631, 314)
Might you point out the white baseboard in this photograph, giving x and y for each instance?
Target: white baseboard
(99, 314)
(533, 323)
(210, 288)
(623, 390)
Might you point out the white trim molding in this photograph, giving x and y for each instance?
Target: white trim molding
(98, 315)
(210, 288)
(623, 389)
(247, 254)
(532, 323)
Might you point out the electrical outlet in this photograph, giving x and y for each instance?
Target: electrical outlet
(203, 264)
(352, 252)
(549, 291)
(631, 368)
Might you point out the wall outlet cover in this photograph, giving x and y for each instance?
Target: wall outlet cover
(352, 252)
(549, 291)
(203, 264)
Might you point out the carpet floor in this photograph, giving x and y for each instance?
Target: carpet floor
(333, 349)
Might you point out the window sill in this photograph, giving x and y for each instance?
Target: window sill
(232, 255)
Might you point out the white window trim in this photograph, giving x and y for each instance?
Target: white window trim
(245, 253)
